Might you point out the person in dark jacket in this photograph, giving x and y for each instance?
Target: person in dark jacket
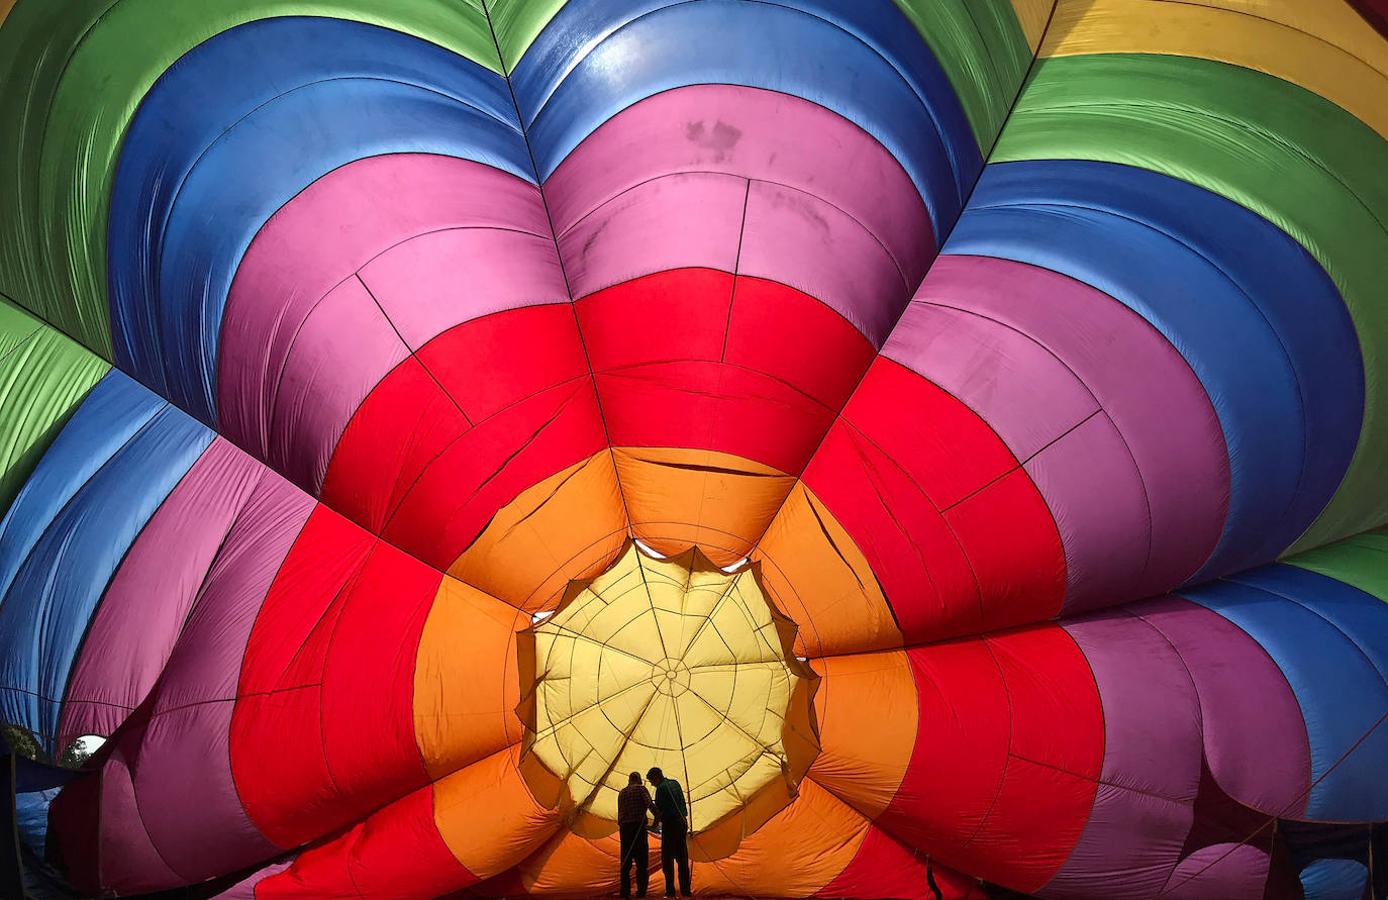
(633, 802)
(674, 831)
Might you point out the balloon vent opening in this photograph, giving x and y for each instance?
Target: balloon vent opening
(677, 663)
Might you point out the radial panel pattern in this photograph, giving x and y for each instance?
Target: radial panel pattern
(946, 436)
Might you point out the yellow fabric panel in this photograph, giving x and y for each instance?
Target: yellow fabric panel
(569, 526)
(797, 852)
(663, 662)
(815, 574)
(1033, 15)
(716, 501)
(489, 817)
(466, 683)
(868, 714)
(1321, 45)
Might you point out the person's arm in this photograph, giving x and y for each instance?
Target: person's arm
(650, 804)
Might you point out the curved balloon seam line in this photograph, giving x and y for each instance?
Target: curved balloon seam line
(413, 352)
(506, 74)
(620, 371)
(887, 251)
(156, 295)
(929, 112)
(1112, 103)
(1275, 23)
(941, 241)
(1349, 638)
(72, 498)
(1099, 408)
(1272, 820)
(1272, 330)
(63, 700)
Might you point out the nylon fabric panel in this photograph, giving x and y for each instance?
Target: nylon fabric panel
(912, 110)
(57, 582)
(1323, 47)
(970, 794)
(1316, 178)
(1291, 394)
(395, 852)
(1154, 418)
(1356, 561)
(413, 109)
(169, 812)
(344, 698)
(913, 490)
(67, 55)
(43, 376)
(1340, 691)
(137, 627)
(483, 440)
(446, 213)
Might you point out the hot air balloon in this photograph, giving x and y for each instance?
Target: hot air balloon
(946, 436)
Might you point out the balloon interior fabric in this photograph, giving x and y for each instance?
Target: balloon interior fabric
(946, 436)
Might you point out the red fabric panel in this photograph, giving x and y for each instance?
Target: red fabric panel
(323, 728)
(884, 868)
(396, 852)
(457, 495)
(488, 364)
(958, 536)
(684, 360)
(1375, 12)
(1003, 775)
(402, 425)
(427, 477)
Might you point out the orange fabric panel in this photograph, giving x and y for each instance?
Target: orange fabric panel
(794, 854)
(816, 575)
(681, 498)
(466, 686)
(568, 526)
(571, 865)
(490, 818)
(867, 711)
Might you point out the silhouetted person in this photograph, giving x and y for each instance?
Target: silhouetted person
(674, 831)
(632, 803)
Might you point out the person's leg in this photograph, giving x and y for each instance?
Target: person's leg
(641, 853)
(628, 836)
(683, 860)
(668, 830)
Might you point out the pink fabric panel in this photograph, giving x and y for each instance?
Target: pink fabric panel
(1143, 385)
(181, 759)
(1096, 497)
(1254, 734)
(672, 222)
(752, 133)
(430, 283)
(128, 857)
(1026, 395)
(141, 617)
(803, 242)
(1231, 870)
(343, 349)
(329, 231)
(1128, 849)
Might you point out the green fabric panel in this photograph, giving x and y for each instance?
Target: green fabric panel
(1361, 561)
(74, 73)
(43, 375)
(517, 23)
(981, 47)
(1293, 157)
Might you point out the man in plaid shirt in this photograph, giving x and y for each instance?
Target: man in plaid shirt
(632, 803)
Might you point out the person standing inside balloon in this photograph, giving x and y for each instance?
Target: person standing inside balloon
(632, 803)
(674, 831)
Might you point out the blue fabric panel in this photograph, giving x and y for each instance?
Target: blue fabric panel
(233, 131)
(1259, 321)
(1341, 694)
(864, 61)
(71, 556)
(1334, 879)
